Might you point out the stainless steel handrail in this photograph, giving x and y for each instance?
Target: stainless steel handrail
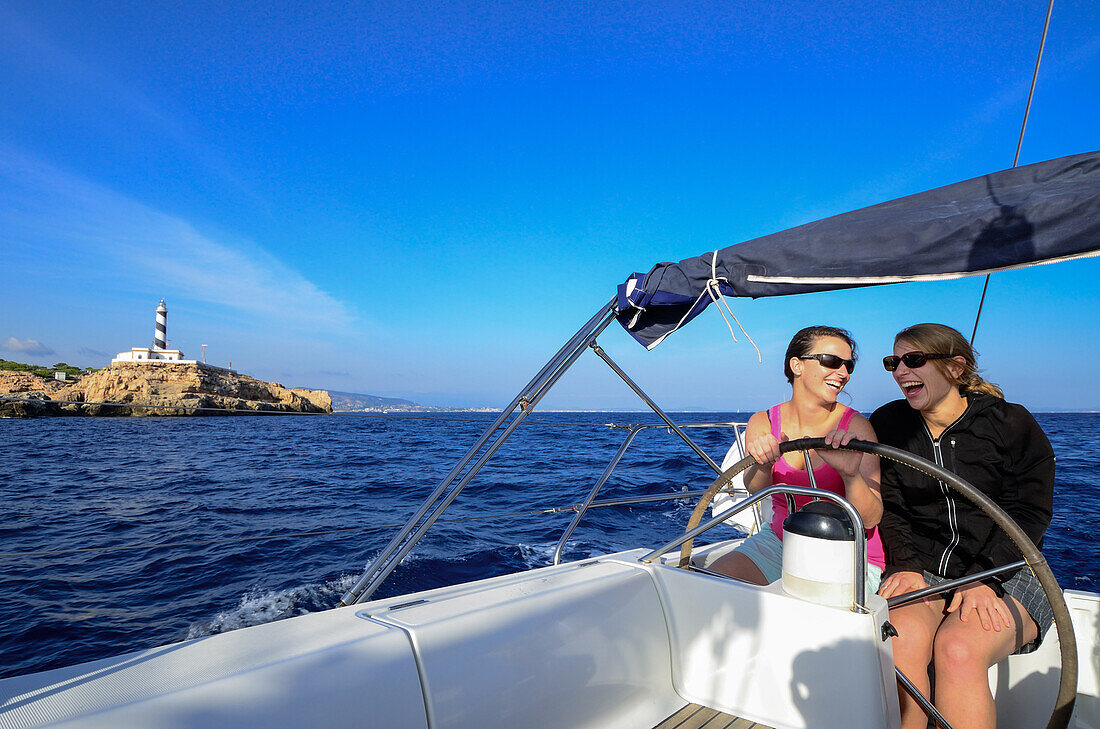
(859, 588)
(634, 430)
(592, 494)
(653, 406)
(410, 534)
(493, 438)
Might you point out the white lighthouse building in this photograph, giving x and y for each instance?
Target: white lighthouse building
(159, 352)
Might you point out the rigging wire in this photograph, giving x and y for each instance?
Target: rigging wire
(1019, 144)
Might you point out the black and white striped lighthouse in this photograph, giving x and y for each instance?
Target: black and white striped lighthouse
(159, 352)
(160, 336)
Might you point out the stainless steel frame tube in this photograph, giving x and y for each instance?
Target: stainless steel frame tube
(653, 406)
(390, 556)
(860, 587)
(592, 494)
(590, 503)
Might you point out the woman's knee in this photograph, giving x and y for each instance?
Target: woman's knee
(965, 650)
(739, 567)
(914, 639)
(966, 646)
(954, 653)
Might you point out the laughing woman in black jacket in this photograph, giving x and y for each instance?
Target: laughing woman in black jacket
(952, 416)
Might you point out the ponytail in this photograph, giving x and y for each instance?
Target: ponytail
(971, 382)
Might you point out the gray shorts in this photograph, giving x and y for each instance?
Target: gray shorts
(1025, 587)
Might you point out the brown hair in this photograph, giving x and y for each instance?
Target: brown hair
(803, 342)
(941, 339)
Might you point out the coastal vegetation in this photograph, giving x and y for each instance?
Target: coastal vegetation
(44, 371)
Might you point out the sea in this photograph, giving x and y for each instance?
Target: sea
(120, 534)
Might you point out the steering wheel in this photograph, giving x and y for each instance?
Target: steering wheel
(1067, 687)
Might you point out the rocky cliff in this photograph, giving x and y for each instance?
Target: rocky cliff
(154, 389)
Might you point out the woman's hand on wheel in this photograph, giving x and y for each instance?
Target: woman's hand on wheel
(764, 449)
(845, 462)
(980, 599)
(900, 583)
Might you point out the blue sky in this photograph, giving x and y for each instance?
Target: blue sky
(425, 199)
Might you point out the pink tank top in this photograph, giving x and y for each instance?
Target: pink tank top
(827, 478)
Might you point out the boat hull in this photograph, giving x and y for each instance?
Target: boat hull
(608, 642)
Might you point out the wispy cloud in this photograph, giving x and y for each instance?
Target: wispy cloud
(26, 346)
(91, 234)
(89, 352)
(85, 77)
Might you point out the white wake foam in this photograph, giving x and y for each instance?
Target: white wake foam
(257, 608)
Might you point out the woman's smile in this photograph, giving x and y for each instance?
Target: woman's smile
(924, 387)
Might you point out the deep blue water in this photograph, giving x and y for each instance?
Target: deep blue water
(206, 484)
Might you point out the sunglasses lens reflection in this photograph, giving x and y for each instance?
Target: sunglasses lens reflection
(832, 361)
(912, 360)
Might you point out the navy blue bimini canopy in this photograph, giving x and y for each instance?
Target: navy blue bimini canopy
(1040, 213)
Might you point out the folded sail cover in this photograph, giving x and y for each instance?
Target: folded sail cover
(1025, 216)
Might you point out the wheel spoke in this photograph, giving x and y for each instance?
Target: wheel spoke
(921, 699)
(899, 600)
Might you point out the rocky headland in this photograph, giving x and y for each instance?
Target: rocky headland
(153, 389)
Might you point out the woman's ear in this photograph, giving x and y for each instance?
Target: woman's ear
(796, 366)
(956, 366)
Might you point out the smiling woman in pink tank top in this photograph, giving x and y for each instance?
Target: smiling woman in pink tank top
(818, 365)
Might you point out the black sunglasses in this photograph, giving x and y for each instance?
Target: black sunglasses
(912, 360)
(832, 361)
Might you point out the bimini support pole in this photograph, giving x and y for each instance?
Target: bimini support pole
(414, 529)
(653, 406)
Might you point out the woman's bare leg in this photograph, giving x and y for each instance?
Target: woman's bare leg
(916, 624)
(738, 566)
(964, 651)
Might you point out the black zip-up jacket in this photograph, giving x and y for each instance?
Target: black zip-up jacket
(995, 445)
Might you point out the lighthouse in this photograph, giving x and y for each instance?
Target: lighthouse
(159, 352)
(160, 334)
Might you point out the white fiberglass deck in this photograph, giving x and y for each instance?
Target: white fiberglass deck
(607, 643)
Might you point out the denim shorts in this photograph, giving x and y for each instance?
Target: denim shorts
(766, 552)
